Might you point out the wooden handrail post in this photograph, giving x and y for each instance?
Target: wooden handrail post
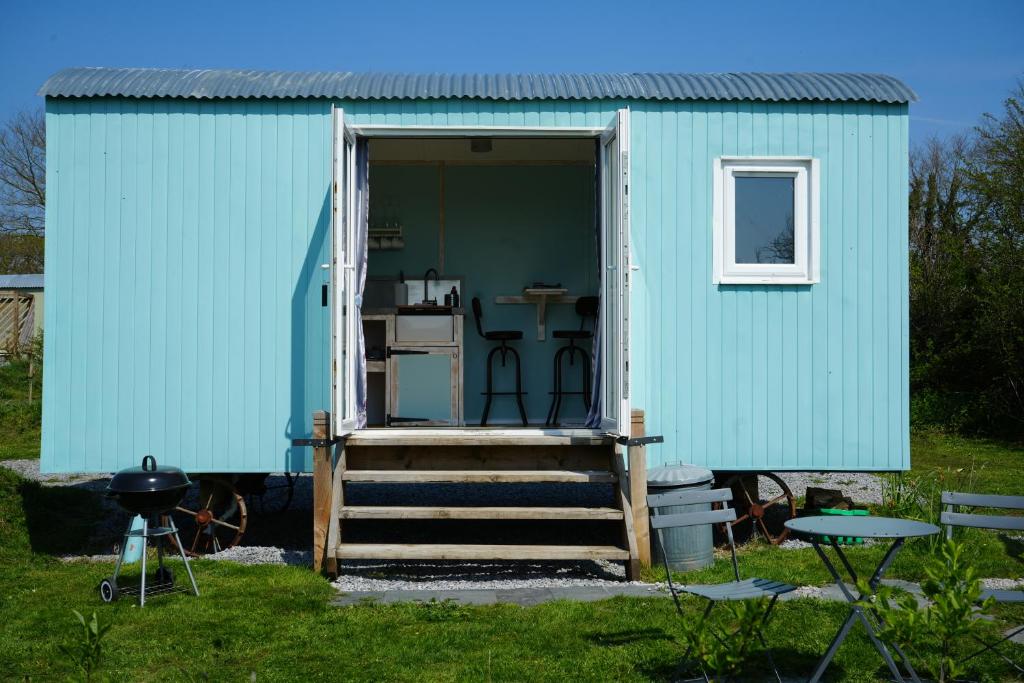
(322, 483)
(638, 490)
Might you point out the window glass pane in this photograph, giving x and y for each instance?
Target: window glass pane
(764, 219)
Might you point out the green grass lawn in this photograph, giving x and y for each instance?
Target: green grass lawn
(277, 622)
(997, 466)
(19, 417)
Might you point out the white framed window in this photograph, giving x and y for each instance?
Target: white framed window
(765, 221)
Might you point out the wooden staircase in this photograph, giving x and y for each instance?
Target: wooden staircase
(382, 457)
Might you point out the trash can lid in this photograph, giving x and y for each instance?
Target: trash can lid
(678, 475)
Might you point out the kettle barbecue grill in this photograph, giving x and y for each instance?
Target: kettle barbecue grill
(148, 490)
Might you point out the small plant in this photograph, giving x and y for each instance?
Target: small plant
(950, 616)
(87, 652)
(723, 647)
(919, 495)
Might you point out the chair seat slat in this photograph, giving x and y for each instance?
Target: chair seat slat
(1000, 522)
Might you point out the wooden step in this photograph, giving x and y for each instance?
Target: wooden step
(480, 476)
(461, 512)
(478, 436)
(424, 551)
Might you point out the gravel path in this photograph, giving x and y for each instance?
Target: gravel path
(863, 487)
(29, 469)
(443, 576)
(256, 554)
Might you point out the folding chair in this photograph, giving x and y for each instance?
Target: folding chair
(950, 517)
(748, 589)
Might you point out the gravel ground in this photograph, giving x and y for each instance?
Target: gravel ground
(250, 554)
(863, 487)
(29, 469)
(384, 576)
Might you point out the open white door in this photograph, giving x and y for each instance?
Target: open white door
(342, 300)
(615, 281)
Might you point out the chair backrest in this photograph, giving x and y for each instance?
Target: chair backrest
(587, 307)
(660, 500)
(478, 314)
(952, 500)
(725, 515)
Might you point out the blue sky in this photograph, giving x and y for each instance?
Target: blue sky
(962, 58)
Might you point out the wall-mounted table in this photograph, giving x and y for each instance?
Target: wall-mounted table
(541, 297)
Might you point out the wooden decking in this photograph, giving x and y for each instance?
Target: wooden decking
(478, 436)
(476, 512)
(479, 476)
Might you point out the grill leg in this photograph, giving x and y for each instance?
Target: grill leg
(184, 558)
(145, 542)
(124, 548)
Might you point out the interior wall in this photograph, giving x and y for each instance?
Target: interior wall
(505, 227)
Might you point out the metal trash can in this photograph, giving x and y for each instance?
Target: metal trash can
(687, 548)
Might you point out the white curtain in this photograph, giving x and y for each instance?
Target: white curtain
(362, 203)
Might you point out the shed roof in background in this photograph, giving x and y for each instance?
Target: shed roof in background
(18, 281)
(236, 83)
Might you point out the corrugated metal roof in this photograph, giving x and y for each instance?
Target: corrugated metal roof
(230, 83)
(18, 281)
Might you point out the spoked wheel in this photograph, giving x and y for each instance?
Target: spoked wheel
(269, 493)
(211, 518)
(763, 512)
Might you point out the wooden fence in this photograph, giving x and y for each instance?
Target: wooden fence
(17, 316)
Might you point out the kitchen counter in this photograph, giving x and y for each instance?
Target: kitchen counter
(413, 366)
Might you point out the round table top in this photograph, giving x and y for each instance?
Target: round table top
(861, 526)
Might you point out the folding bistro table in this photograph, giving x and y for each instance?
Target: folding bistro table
(896, 530)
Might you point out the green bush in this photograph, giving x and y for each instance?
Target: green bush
(936, 634)
(724, 642)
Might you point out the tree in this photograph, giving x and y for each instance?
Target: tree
(22, 193)
(995, 180)
(967, 277)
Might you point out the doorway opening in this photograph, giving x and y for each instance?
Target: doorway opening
(519, 225)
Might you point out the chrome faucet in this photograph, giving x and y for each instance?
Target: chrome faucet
(426, 278)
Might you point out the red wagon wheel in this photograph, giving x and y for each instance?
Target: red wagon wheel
(212, 517)
(767, 514)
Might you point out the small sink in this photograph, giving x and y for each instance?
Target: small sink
(424, 309)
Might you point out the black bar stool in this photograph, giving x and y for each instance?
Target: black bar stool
(586, 308)
(504, 336)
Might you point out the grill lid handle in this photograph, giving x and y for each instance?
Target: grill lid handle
(150, 459)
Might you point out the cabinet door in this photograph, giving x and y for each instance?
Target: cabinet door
(424, 386)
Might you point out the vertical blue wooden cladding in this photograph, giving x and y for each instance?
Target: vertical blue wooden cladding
(183, 267)
(184, 246)
(773, 376)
